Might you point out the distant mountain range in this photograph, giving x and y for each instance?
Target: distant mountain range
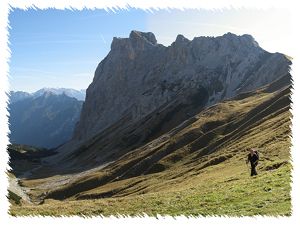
(45, 118)
(20, 95)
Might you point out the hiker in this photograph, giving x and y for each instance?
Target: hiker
(253, 158)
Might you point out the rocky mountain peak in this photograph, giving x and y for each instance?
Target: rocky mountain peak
(145, 36)
(140, 75)
(137, 41)
(230, 35)
(181, 40)
(245, 40)
(48, 93)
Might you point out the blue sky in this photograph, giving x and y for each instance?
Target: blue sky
(62, 48)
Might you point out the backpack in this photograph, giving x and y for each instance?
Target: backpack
(257, 154)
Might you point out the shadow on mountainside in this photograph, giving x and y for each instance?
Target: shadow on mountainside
(199, 142)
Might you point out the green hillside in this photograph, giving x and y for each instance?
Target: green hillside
(197, 168)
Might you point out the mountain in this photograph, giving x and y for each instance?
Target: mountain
(140, 76)
(15, 96)
(78, 94)
(143, 89)
(165, 130)
(46, 121)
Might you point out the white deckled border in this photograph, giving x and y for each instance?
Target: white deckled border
(148, 5)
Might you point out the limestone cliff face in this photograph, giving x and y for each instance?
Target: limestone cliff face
(138, 76)
(142, 89)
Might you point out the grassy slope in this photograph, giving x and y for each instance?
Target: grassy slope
(267, 194)
(174, 175)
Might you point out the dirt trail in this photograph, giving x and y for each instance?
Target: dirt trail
(68, 178)
(57, 181)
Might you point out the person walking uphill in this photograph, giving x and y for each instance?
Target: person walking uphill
(253, 158)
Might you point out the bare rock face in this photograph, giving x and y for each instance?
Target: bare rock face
(140, 78)
(139, 75)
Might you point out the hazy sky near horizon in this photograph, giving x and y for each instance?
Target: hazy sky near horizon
(62, 48)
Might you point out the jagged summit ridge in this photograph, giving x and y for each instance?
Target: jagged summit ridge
(148, 36)
(220, 64)
(137, 41)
